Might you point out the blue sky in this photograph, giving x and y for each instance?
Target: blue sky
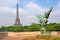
(43, 3)
(28, 9)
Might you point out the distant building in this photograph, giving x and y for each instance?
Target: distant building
(17, 20)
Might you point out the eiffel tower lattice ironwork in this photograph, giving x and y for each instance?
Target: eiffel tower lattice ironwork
(17, 20)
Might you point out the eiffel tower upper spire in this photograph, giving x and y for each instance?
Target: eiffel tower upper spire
(17, 20)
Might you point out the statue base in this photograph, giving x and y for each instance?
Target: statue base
(43, 31)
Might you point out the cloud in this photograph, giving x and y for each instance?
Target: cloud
(8, 3)
(31, 10)
(4, 10)
(6, 16)
(55, 15)
(58, 4)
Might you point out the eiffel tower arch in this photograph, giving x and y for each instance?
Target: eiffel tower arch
(17, 20)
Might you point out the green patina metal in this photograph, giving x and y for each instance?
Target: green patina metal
(43, 19)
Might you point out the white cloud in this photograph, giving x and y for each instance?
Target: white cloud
(6, 6)
(30, 12)
(8, 2)
(58, 4)
(55, 15)
(33, 8)
(4, 10)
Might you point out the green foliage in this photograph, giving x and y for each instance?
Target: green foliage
(3, 28)
(15, 28)
(56, 38)
(33, 27)
(11, 28)
(50, 27)
(57, 27)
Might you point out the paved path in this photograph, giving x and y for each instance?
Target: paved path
(19, 35)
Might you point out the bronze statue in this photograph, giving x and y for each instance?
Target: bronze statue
(43, 19)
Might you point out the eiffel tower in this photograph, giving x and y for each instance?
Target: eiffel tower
(17, 20)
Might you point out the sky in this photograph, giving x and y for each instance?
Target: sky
(28, 9)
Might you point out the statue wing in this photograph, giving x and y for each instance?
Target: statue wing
(47, 14)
